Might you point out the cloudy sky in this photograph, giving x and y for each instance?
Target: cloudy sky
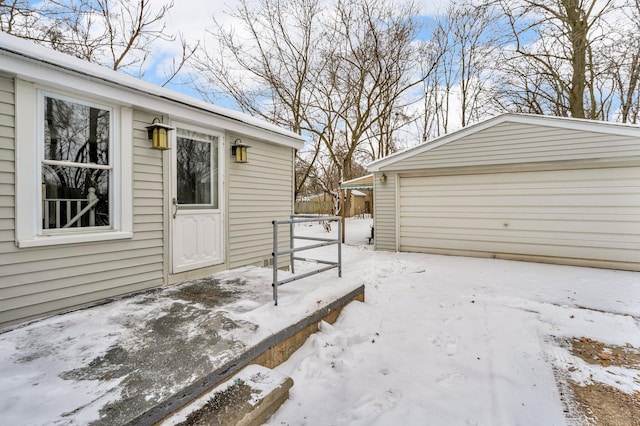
(194, 17)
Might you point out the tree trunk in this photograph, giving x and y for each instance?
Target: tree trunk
(578, 34)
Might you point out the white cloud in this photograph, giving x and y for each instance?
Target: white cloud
(194, 18)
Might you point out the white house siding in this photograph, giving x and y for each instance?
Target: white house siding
(582, 216)
(384, 219)
(517, 143)
(36, 281)
(259, 192)
(7, 167)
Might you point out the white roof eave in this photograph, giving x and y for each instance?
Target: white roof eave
(27, 50)
(346, 182)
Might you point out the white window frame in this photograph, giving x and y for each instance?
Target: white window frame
(29, 157)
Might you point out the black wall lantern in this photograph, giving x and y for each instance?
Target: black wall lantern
(159, 134)
(239, 151)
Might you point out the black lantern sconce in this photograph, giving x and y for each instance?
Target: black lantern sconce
(159, 134)
(383, 179)
(239, 151)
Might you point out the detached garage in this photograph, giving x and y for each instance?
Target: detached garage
(523, 187)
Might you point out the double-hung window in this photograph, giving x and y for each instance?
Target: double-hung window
(77, 167)
(73, 169)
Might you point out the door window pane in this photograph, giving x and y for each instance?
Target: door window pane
(196, 171)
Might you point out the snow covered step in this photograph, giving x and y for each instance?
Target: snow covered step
(247, 399)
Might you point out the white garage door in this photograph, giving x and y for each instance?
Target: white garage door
(579, 214)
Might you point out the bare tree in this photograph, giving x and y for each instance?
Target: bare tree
(115, 33)
(14, 15)
(368, 68)
(564, 32)
(336, 74)
(622, 58)
(463, 47)
(429, 62)
(266, 66)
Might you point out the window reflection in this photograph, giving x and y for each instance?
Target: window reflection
(76, 167)
(75, 132)
(195, 183)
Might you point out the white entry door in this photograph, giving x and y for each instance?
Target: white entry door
(197, 221)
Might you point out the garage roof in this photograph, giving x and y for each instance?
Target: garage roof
(363, 182)
(518, 138)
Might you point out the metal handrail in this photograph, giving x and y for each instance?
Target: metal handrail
(294, 219)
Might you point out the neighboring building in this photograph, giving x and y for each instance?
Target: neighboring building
(316, 204)
(324, 204)
(361, 190)
(360, 204)
(523, 187)
(89, 210)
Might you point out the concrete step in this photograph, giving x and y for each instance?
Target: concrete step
(269, 353)
(248, 398)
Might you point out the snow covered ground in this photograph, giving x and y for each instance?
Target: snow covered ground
(440, 340)
(458, 341)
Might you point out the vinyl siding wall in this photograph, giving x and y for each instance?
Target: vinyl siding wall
(259, 192)
(588, 216)
(36, 281)
(384, 218)
(516, 143)
(7, 169)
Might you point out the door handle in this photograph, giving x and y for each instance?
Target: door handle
(175, 207)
